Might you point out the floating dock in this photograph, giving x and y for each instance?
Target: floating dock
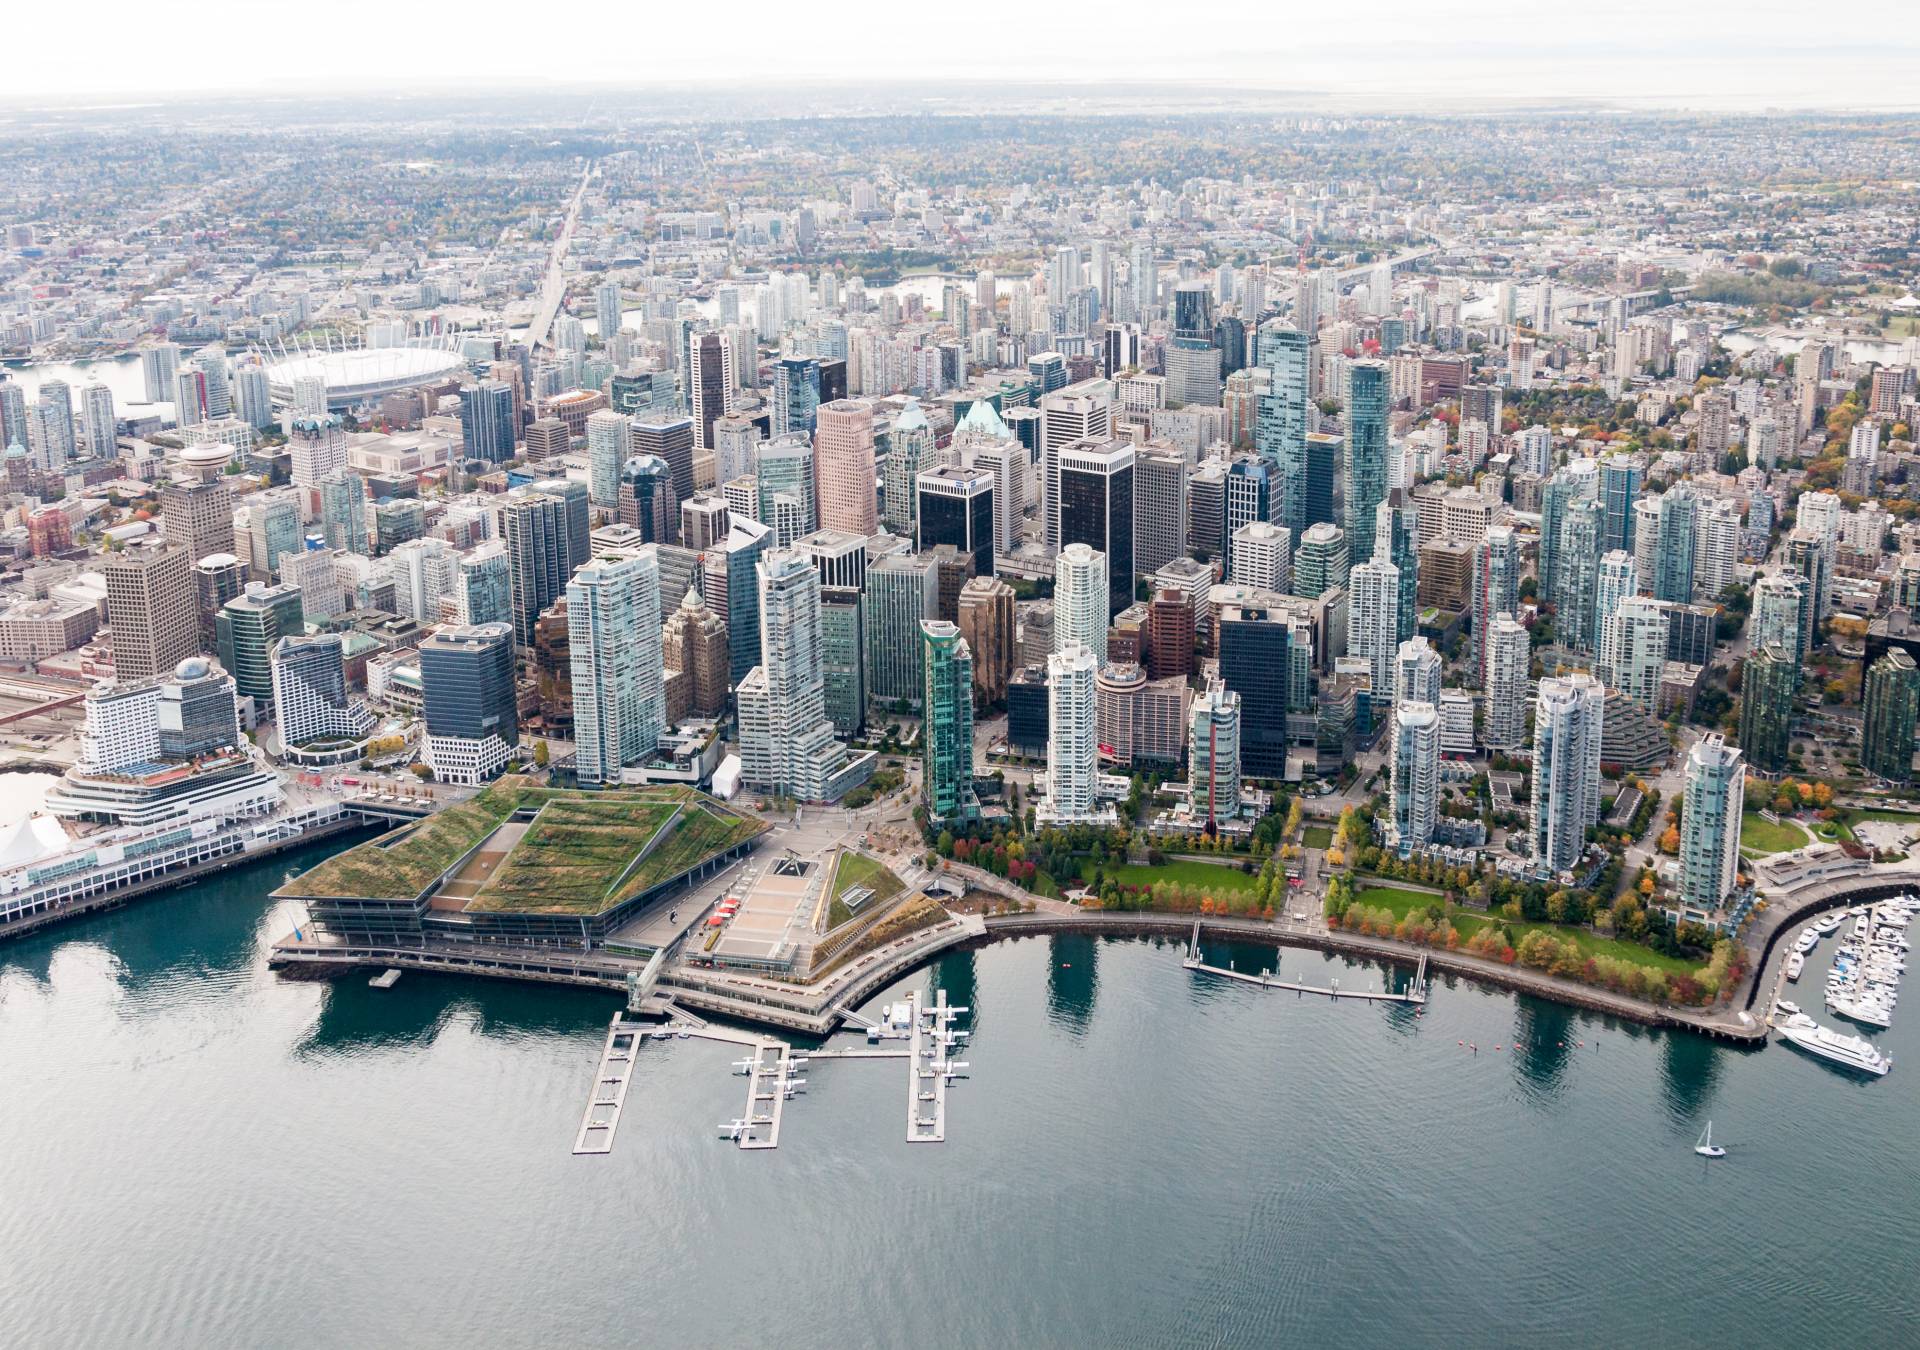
(1416, 992)
(769, 1071)
(609, 1094)
(385, 980)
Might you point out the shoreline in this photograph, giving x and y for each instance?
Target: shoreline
(817, 1011)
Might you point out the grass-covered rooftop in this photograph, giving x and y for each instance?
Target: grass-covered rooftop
(582, 853)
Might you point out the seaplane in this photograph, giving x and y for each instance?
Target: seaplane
(733, 1129)
(953, 1071)
(743, 1067)
(796, 1085)
(797, 1062)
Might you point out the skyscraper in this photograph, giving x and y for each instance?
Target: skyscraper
(1281, 420)
(606, 310)
(1769, 684)
(309, 683)
(150, 610)
(1320, 562)
(534, 526)
(787, 744)
(1397, 540)
(1080, 590)
(614, 648)
(730, 582)
(1096, 509)
(1892, 701)
(247, 629)
(694, 642)
(956, 508)
(902, 590)
(1781, 613)
(1365, 410)
(198, 517)
(947, 725)
(987, 622)
(466, 681)
(1374, 588)
(1673, 563)
(647, 501)
(711, 384)
(486, 421)
(1614, 584)
(796, 394)
(343, 513)
(97, 416)
(1635, 656)
(1072, 737)
(1710, 822)
(1506, 659)
(1566, 769)
(1620, 479)
(1577, 569)
(1496, 588)
(911, 451)
(843, 464)
(1578, 481)
(1416, 672)
(1213, 754)
(784, 476)
(1160, 508)
(608, 436)
(1414, 776)
(1081, 412)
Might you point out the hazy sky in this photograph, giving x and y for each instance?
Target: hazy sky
(1691, 53)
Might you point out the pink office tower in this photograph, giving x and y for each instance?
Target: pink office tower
(843, 466)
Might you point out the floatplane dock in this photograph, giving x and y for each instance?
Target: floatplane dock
(769, 1068)
(1415, 993)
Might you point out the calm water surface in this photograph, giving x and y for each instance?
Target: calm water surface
(198, 1153)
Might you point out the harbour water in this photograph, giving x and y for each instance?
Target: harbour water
(200, 1153)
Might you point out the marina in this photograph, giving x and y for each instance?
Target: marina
(1862, 985)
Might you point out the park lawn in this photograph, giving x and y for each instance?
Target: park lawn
(1470, 921)
(1317, 836)
(1202, 876)
(1758, 837)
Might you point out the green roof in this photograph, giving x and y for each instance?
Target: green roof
(582, 853)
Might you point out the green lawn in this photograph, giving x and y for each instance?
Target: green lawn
(1204, 876)
(1471, 921)
(857, 869)
(1317, 836)
(1758, 837)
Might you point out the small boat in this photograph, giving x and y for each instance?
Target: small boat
(1786, 1007)
(1795, 964)
(1828, 924)
(1706, 1148)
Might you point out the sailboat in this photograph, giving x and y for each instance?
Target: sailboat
(1706, 1148)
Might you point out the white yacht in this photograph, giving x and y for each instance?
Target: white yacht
(1796, 963)
(1849, 1052)
(1828, 924)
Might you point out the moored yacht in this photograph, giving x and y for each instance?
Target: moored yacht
(1850, 1052)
